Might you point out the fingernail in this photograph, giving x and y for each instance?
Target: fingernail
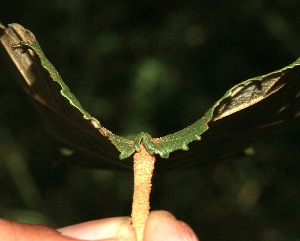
(119, 228)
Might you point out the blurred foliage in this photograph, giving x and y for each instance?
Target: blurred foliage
(153, 66)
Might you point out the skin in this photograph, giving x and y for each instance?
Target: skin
(160, 226)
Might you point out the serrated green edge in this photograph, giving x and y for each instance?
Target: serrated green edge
(125, 147)
(65, 91)
(180, 140)
(162, 146)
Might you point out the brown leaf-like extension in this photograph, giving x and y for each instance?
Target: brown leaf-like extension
(62, 120)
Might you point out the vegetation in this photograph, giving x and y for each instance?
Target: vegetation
(172, 64)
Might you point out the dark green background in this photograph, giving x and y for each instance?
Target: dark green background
(153, 66)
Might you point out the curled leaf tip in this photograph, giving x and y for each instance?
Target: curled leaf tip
(22, 46)
(19, 48)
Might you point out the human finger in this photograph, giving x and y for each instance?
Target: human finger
(108, 228)
(163, 226)
(12, 231)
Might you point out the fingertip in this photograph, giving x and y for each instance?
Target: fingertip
(163, 226)
(160, 214)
